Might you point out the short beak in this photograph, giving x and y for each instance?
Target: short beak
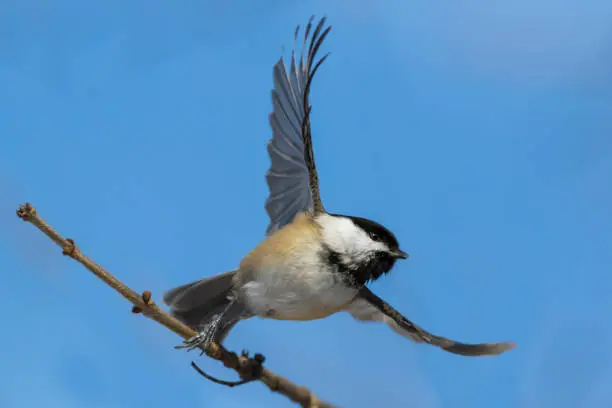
(398, 253)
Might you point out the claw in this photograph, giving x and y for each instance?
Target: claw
(203, 339)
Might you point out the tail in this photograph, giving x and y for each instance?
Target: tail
(195, 303)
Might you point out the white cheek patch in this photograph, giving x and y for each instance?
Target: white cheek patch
(344, 237)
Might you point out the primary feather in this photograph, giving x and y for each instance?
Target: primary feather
(292, 177)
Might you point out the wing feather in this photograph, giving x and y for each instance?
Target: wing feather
(369, 307)
(292, 178)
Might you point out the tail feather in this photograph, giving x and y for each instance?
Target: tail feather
(201, 292)
(197, 302)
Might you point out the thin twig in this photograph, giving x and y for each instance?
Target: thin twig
(230, 384)
(143, 304)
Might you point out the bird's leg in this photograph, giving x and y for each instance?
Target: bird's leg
(207, 333)
(205, 336)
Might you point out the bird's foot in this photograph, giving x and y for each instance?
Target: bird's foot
(203, 339)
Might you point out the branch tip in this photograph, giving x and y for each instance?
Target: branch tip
(26, 212)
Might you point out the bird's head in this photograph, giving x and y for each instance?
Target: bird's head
(360, 246)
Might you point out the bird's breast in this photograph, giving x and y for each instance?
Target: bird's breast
(285, 277)
(300, 290)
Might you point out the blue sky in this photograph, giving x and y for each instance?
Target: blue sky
(478, 131)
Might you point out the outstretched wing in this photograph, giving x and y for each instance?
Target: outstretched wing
(292, 177)
(369, 307)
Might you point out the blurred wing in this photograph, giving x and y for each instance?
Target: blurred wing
(369, 307)
(362, 310)
(292, 177)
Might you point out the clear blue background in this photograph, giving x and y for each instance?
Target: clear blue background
(478, 131)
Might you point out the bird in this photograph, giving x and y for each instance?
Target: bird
(312, 263)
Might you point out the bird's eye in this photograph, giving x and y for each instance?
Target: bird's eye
(374, 236)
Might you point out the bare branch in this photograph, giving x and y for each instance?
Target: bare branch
(247, 368)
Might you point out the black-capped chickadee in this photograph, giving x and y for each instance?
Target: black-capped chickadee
(312, 263)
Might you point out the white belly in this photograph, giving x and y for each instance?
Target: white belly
(295, 293)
